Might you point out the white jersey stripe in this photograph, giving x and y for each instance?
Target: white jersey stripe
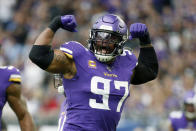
(15, 76)
(61, 122)
(66, 50)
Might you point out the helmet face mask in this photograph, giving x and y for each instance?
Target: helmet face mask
(105, 42)
(107, 37)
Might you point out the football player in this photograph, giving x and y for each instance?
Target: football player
(96, 79)
(10, 91)
(185, 120)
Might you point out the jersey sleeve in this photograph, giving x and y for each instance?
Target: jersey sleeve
(73, 49)
(14, 74)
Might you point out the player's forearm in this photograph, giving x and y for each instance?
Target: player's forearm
(147, 68)
(41, 53)
(45, 38)
(26, 123)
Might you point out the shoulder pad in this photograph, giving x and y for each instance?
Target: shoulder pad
(73, 49)
(13, 73)
(127, 52)
(176, 114)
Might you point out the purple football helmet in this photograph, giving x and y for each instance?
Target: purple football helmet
(107, 37)
(190, 105)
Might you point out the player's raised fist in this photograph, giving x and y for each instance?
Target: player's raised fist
(67, 22)
(140, 31)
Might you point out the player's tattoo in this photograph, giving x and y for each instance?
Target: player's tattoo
(61, 63)
(60, 59)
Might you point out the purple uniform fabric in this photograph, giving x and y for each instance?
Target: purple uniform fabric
(180, 123)
(97, 93)
(8, 75)
(62, 117)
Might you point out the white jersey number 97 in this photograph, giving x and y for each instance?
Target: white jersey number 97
(105, 92)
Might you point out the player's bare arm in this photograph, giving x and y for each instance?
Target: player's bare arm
(19, 107)
(63, 64)
(54, 61)
(147, 68)
(60, 62)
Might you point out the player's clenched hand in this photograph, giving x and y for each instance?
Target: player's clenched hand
(67, 22)
(140, 31)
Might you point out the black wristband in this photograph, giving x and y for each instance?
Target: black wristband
(145, 39)
(55, 24)
(41, 55)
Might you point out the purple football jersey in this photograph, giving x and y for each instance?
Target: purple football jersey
(97, 93)
(8, 75)
(180, 123)
(62, 117)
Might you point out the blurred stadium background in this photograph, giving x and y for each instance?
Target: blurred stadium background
(172, 25)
